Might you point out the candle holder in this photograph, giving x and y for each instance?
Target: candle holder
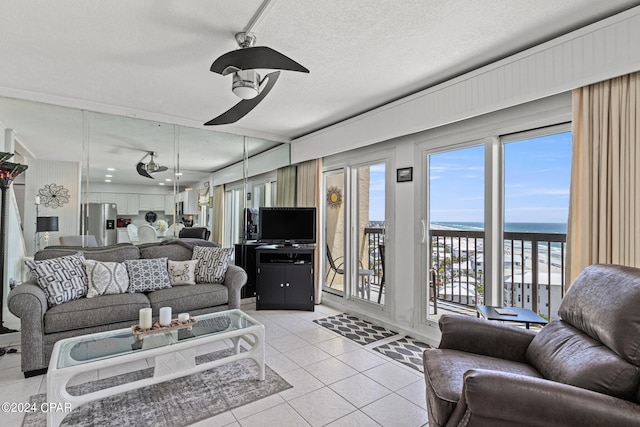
(156, 328)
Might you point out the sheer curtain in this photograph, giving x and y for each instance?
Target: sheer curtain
(217, 220)
(604, 206)
(309, 195)
(286, 182)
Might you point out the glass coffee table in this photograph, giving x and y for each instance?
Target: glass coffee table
(174, 353)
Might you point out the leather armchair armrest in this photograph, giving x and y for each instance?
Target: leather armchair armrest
(491, 398)
(235, 279)
(485, 337)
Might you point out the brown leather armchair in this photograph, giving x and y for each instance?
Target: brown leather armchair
(582, 370)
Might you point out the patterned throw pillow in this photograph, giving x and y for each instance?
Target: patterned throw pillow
(212, 263)
(62, 279)
(106, 278)
(147, 275)
(183, 272)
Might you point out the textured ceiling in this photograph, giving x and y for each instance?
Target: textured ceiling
(150, 59)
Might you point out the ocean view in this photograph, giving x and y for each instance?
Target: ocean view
(512, 227)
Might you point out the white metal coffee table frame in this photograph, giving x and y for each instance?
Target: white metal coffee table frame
(172, 361)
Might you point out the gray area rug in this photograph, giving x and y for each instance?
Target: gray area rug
(355, 329)
(407, 351)
(178, 402)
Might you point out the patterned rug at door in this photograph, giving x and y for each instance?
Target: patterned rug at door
(355, 329)
(179, 402)
(406, 351)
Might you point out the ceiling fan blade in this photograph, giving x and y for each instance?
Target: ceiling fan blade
(239, 110)
(161, 169)
(250, 58)
(142, 171)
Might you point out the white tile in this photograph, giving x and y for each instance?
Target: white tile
(281, 416)
(416, 393)
(307, 355)
(321, 407)
(330, 371)
(338, 346)
(392, 376)
(220, 420)
(280, 363)
(257, 406)
(302, 381)
(10, 360)
(359, 390)
(316, 335)
(354, 419)
(288, 342)
(394, 410)
(361, 359)
(328, 311)
(20, 391)
(273, 331)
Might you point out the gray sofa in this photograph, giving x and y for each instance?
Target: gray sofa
(42, 326)
(580, 370)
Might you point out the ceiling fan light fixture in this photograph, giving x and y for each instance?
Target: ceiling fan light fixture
(246, 84)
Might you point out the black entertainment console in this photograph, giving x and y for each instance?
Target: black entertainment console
(284, 277)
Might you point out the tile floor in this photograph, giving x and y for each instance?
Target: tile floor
(335, 381)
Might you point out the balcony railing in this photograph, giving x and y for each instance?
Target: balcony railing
(533, 270)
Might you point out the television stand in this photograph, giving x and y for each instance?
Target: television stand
(285, 277)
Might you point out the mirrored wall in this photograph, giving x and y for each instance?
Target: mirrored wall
(154, 173)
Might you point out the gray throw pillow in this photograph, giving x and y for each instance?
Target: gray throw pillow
(146, 275)
(62, 279)
(106, 278)
(212, 263)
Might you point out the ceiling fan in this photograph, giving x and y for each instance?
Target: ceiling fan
(247, 84)
(144, 169)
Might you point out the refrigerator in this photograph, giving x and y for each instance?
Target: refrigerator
(99, 220)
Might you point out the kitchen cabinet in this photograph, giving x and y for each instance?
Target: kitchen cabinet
(284, 278)
(152, 202)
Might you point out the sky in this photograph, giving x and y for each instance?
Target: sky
(536, 189)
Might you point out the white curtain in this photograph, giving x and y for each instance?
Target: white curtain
(309, 195)
(286, 182)
(604, 206)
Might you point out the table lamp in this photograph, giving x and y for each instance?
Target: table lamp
(46, 224)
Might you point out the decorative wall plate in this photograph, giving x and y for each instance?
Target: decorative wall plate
(150, 217)
(334, 197)
(53, 195)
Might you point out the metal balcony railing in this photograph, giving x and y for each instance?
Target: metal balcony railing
(533, 269)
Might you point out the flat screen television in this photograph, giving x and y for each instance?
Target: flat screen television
(287, 226)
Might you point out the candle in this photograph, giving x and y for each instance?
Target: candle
(145, 318)
(37, 200)
(165, 316)
(183, 317)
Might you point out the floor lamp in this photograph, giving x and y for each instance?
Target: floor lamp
(8, 172)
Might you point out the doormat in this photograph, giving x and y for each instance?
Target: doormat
(179, 402)
(406, 351)
(355, 329)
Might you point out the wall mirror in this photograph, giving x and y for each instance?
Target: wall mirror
(91, 157)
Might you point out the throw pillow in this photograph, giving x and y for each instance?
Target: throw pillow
(62, 279)
(146, 275)
(183, 272)
(212, 263)
(106, 278)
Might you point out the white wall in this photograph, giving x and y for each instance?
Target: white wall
(40, 173)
